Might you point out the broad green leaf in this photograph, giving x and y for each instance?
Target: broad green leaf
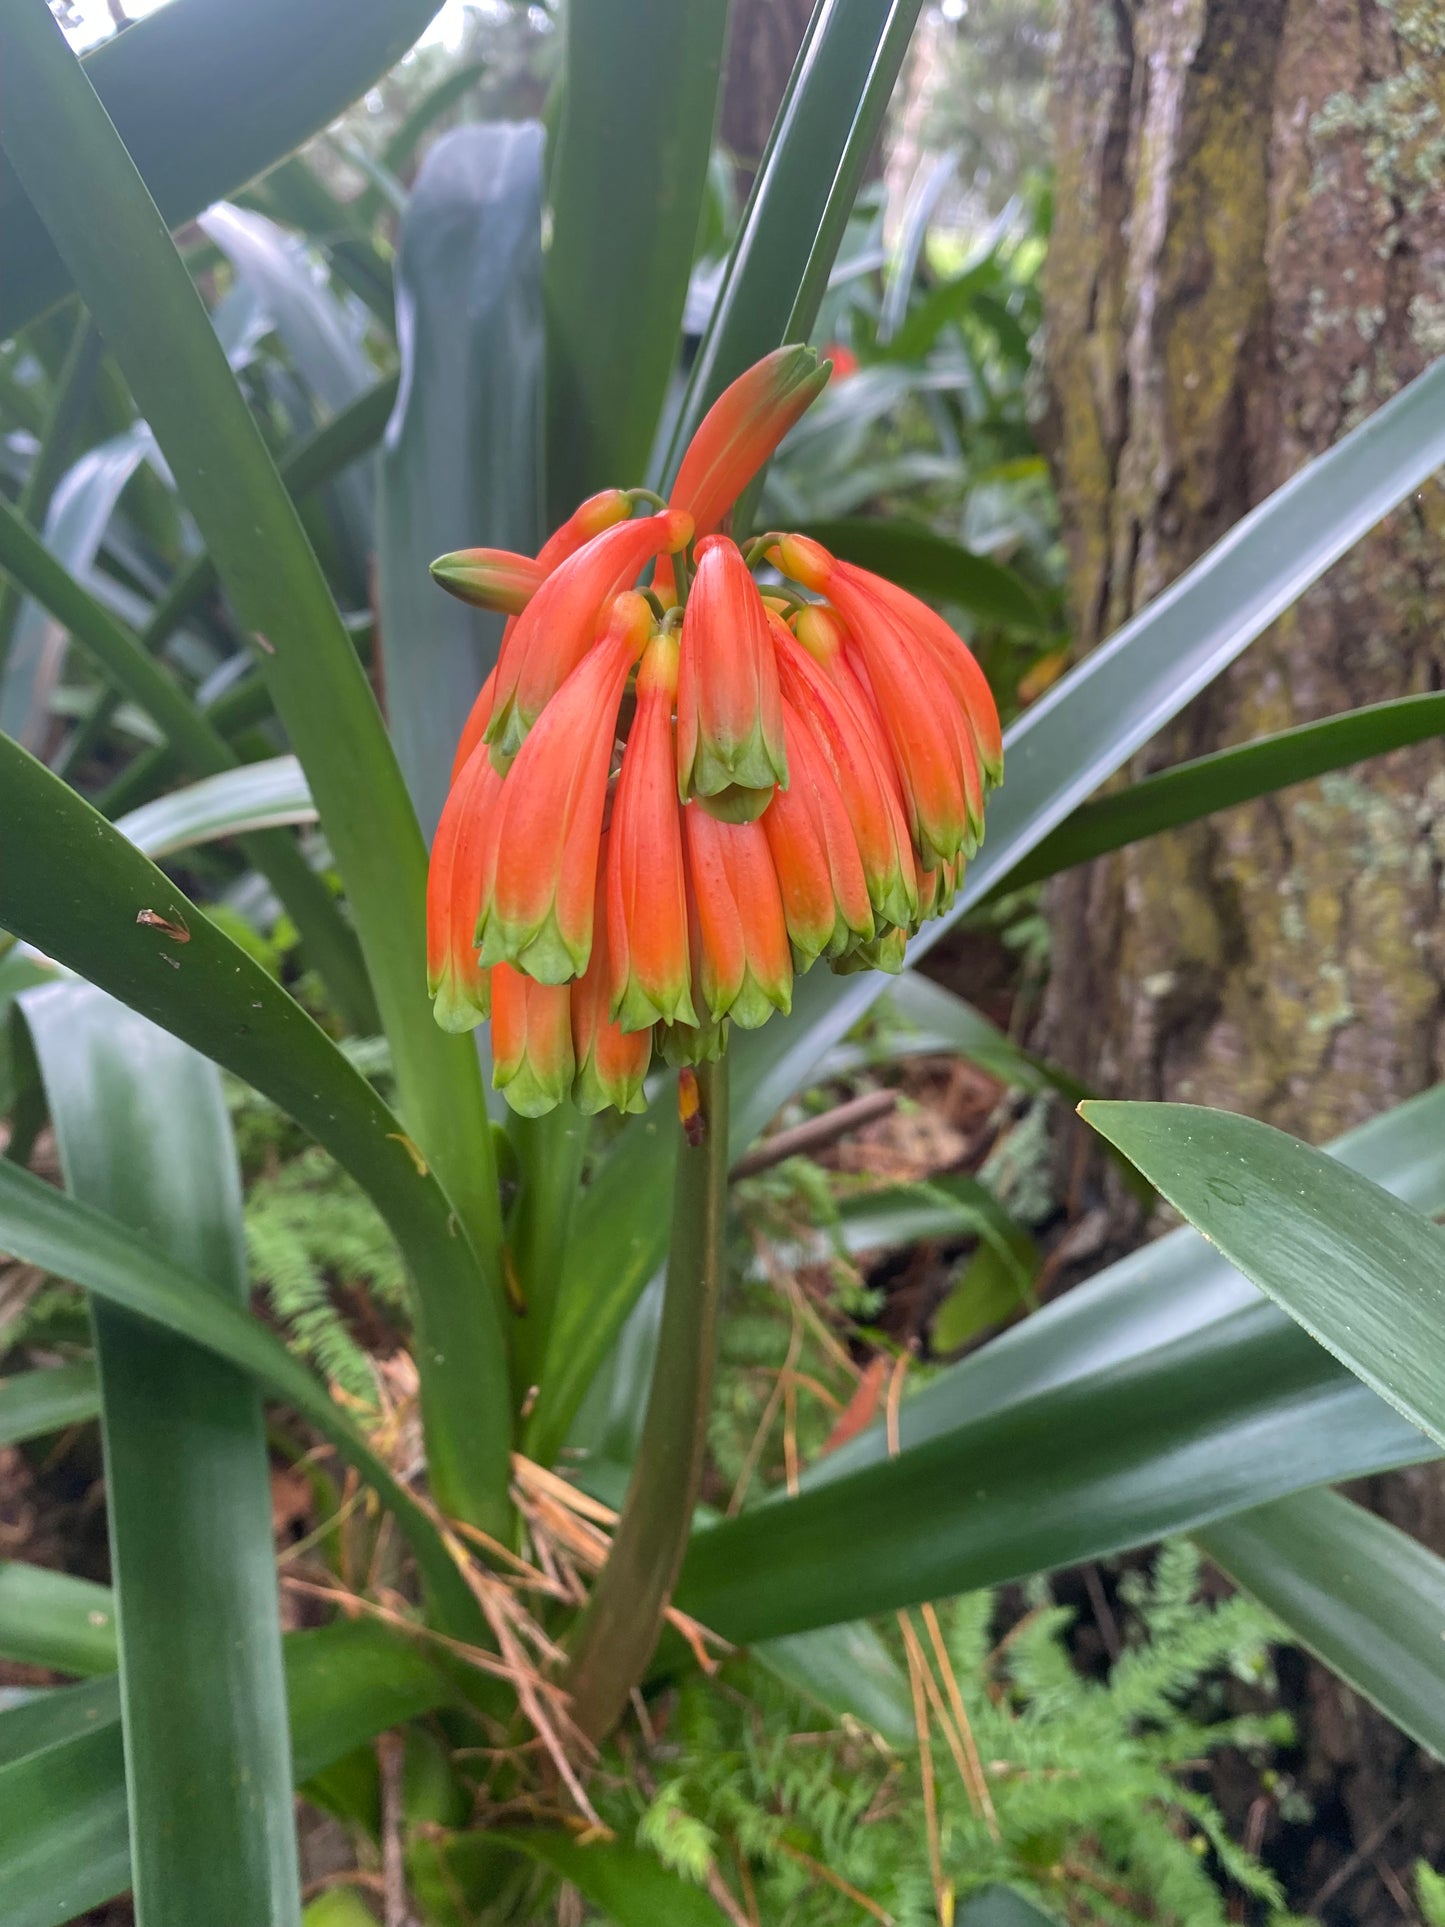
(64, 1847)
(73, 528)
(1361, 1272)
(1196, 789)
(794, 219)
(626, 195)
(944, 1024)
(68, 406)
(206, 96)
(197, 984)
(44, 1227)
(619, 1239)
(61, 143)
(34, 1404)
(632, 1887)
(929, 186)
(51, 1715)
(49, 1619)
(892, 39)
(1178, 1394)
(324, 341)
(297, 195)
(196, 741)
(461, 464)
(1361, 1595)
(321, 338)
(254, 796)
(315, 460)
(400, 149)
(144, 1136)
(930, 565)
(846, 1669)
(1177, 1437)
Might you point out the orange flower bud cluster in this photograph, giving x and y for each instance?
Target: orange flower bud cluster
(670, 800)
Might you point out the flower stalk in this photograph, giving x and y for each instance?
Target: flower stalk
(619, 1630)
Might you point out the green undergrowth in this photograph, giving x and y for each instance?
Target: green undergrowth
(1098, 1808)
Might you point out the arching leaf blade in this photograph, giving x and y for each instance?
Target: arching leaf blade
(1360, 1594)
(144, 1135)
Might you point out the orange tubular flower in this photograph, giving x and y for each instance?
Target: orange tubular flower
(532, 1059)
(489, 578)
(849, 736)
(454, 886)
(559, 624)
(600, 511)
(741, 430)
(730, 747)
(646, 891)
(738, 434)
(794, 779)
(597, 513)
(474, 729)
(820, 873)
(740, 935)
(914, 704)
(538, 912)
(611, 1062)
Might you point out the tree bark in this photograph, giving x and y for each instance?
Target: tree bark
(1248, 257)
(763, 41)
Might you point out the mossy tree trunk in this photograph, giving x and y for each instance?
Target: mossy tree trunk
(763, 41)
(1248, 257)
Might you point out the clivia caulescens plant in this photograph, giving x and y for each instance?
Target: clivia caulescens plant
(670, 799)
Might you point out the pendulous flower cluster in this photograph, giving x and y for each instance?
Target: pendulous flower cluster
(669, 801)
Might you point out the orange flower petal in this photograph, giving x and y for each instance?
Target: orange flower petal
(460, 987)
(611, 1062)
(848, 733)
(549, 819)
(729, 709)
(739, 932)
(646, 891)
(532, 1060)
(820, 873)
(559, 624)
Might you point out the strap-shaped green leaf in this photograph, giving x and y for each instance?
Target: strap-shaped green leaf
(252, 796)
(199, 745)
(794, 218)
(61, 143)
(627, 193)
(206, 96)
(44, 1227)
(1361, 1595)
(64, 1845)
(1363, 1273)
(144, 1136)
(49, 1619)
(1206, 784)
(632, 1887)
(1188, 1433)
(1163, 1394)
(313, 461)
(34, 1404)
(125, 926)
(461, 463)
